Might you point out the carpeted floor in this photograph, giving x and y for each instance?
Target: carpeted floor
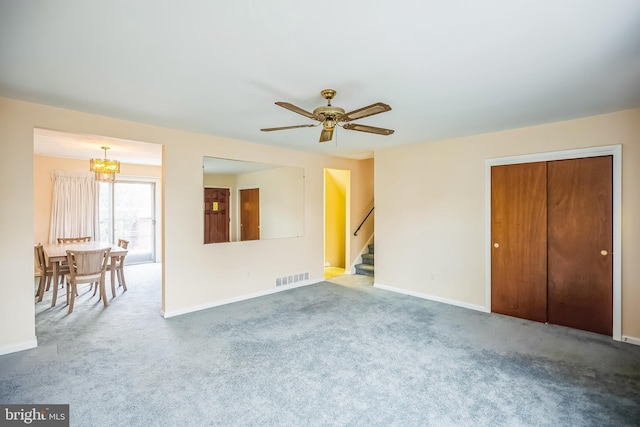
(320, 355)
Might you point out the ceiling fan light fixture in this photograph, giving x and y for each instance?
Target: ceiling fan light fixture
(329, 123)
(104, 169)
(330, 117)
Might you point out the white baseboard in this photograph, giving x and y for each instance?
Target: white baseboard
(238, 299)
(631, 340)
(19, 347)
(432, 297)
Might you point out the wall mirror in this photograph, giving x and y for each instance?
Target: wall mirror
(251, 201)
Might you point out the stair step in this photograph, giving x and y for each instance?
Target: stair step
(370, 248)
(367, 259)
(365, 269)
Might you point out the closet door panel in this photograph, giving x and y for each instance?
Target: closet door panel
(519, 240)
(580, 240)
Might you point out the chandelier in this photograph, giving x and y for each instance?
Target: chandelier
(105, 169)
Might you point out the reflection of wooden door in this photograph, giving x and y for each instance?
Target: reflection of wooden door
(216, 215)
(519, 240)
(552, 239)
(250, 214)
(580, 244)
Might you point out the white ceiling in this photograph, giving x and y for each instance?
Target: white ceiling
(447, 68)
(74, 146)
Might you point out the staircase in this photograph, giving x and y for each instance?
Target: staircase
(366, 268)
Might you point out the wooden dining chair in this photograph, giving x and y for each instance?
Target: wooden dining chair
(86, 267)
(45, 272)
(74, 239)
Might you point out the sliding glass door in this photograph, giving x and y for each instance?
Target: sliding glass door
(127, 211)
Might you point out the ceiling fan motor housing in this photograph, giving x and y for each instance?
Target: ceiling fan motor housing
(328, 115)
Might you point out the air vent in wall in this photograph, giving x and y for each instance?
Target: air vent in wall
(289, 280)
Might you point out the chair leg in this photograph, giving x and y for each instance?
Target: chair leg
(103, 291)
(121, 280)
(73, 296)
(40, 292)
(67, 294)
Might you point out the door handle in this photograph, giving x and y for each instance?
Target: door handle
(604, 252)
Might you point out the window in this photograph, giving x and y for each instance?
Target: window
(127, 211)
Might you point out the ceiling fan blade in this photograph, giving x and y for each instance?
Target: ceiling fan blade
(370, 129)
(326, 134)
(288, 127)
(367, 111)
(295, 109)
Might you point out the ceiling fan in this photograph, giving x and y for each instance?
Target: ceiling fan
(330, 117)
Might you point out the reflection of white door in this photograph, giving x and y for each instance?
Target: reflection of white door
(127, 211)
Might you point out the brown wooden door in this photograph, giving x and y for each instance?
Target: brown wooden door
(216, 215)
(580, 293)
(250, 214)
(519, 240)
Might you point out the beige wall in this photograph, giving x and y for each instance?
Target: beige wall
(43, 166)
(361, 203)
(194, 275)
(430, 207)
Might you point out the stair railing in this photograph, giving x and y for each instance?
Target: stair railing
(362, 223)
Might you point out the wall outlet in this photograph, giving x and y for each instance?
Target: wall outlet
(433, 276)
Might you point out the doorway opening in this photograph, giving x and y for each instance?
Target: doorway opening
(139, 186)
(337, 188)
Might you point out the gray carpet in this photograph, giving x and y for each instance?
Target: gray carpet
(321, 355)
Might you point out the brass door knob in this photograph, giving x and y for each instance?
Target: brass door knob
(496, 245)
(603, 252)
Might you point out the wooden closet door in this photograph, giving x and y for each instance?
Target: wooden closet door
(580, 289)
(519, 240)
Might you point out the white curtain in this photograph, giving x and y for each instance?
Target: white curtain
(74, 205)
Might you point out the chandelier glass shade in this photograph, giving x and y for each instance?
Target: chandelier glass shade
(104, 169)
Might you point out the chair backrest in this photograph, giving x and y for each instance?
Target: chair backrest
(74, 239)
(88, 263)
(38, 252)
(123, 243)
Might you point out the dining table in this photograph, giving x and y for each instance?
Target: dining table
(56, 253)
